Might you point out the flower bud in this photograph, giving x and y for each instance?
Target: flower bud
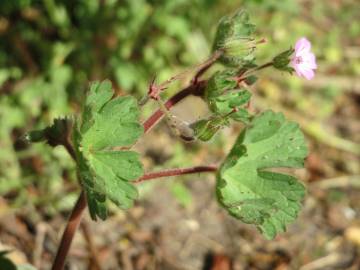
(205, 129)
(56, 134)
(234, 39)
(282, 60)
(35, 136)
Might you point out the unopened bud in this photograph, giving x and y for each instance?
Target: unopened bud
(234, 38)
(282, 60)
(54, 135)
(205, 129)
(34, 136)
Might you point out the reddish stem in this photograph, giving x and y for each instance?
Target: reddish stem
(194, 89)
(69, 232)
(75, 217)
(175, 172)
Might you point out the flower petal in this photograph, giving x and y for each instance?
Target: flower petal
(301, 46)
(310, 60)
(308, 74)
(298, 70)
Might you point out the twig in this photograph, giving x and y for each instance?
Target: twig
(346, 181)
(194, 89)
(39, 243)
(175, 172)
(328, 262)
(25, 54)
(94, 259)
(69, 232)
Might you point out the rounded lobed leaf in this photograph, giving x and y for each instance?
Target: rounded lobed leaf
(107, 173)
(267, 199)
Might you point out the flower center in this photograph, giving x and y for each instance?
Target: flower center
(298, 60)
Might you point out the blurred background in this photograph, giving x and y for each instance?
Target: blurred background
(49, 52)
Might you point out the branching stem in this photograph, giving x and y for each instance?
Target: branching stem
(79, 207)
(194, 89)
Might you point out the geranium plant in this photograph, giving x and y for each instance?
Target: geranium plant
(101, 137)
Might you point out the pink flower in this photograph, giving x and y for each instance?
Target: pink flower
(304, 61)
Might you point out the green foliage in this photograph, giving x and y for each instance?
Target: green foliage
(234, 37)
(225, 100)
(56, 134)
(205, 129)
(105, 172)
(282, 60)
(245, 185)
(181, 193)
(251, 79)
(223, 95)
(48, 53)
(7, 264)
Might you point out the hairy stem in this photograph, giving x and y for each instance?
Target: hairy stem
(70, 149)
(206, 65)
(194, 89)
(252, 71)
(175, 172)
(69, 232)
(269, 64)
(75, 217)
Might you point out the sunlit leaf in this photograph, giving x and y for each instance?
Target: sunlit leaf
(248, 187)
(107, 173)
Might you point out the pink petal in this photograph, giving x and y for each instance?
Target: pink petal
(308, 74)
(302, 45)
(297, 70)
(310, 60)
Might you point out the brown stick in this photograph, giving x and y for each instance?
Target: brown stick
(94, 258)
(69, 232)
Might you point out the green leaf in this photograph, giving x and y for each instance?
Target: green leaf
(107, 173)
(223, 95)
(221, 82)
(245, 185)
(5, 262)
(234, 37)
